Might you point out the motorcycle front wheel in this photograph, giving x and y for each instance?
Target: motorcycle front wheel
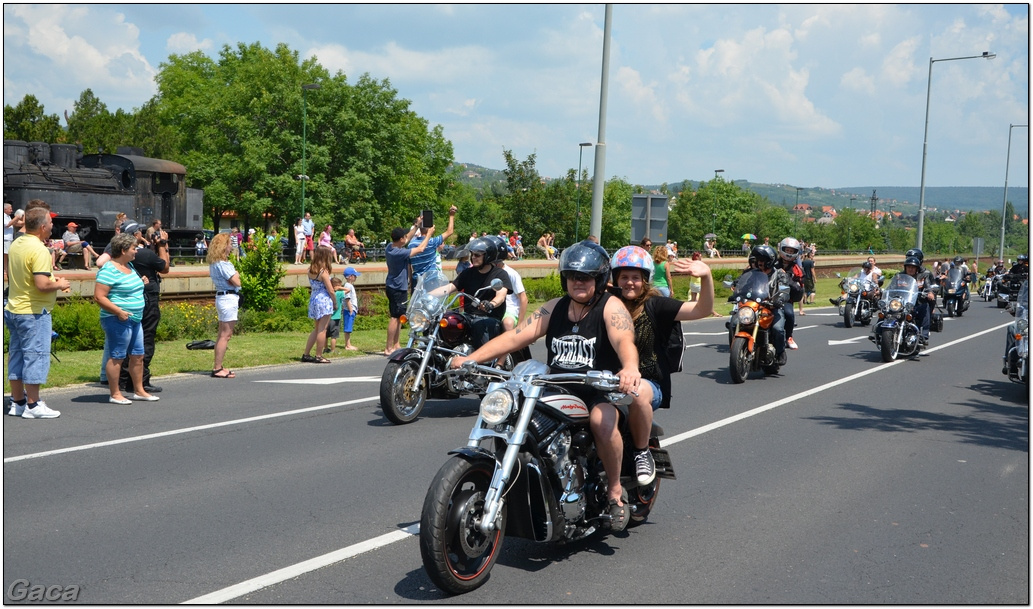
(848, 317)
(889, 350)
(457, 556)
(399, 399)
(739, 359)
(952, 308)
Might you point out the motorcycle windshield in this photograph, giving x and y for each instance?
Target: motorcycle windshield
(954, 277)
(423, 297)
(855, 273)
(903, 287)
(752, 285)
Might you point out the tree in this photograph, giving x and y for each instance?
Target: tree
(27, 122)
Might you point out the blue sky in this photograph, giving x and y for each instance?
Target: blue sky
(807, 95)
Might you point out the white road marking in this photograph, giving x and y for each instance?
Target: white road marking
(263, 581)
(176, 432)
(704, 333)
(698, 345)
(788, 400)
(848, 341)
(326, 381)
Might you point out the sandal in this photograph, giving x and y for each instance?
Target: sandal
(320, 360)
(619, 513)
(229, 374)
(307, 358)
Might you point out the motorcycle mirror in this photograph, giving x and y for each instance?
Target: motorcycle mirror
(727, 282)
(838, 275)
(881, 279)
(496, 284)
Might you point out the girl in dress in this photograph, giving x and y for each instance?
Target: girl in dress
(321, 303)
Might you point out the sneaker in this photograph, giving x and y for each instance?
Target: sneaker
(645, 469)
(40, 411)
(791, 343)
(17, 409)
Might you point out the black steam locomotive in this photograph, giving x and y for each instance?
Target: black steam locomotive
(92, 189)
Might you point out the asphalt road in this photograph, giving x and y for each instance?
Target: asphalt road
(843, 480)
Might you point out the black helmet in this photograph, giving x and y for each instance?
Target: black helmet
(958, 261)
(487, 247)
(915, 253)
(1022, 258)
(585, 257)
(765, 256)
(866, 265)
(501, 245)
(914, 261)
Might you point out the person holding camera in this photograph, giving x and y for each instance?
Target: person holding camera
(426, 259)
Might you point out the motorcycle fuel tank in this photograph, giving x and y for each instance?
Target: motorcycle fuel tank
(566, 404)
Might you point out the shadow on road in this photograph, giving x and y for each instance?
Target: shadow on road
(990, 422)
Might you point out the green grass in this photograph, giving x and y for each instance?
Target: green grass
(269, 348)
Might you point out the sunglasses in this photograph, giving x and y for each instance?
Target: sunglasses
(579, 277)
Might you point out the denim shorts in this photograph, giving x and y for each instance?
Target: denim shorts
(29, 350)
(658, 395)
(123, 336)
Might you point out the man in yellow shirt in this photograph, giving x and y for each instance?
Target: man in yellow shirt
(27, 316)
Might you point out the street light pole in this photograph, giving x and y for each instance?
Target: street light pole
(796, 210)
(304, 136)
(925, 139)
(1004, 206)
(717, 201)
(577, 219)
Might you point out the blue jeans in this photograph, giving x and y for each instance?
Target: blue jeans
(123, 337)
(29, 351)
(922, 317)
(790, 316)
(778, 332)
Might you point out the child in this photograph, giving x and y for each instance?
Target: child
(351, 306)
(321, 304)
(333, 330)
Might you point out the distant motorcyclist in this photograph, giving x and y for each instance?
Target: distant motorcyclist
(926, 297)
(1021, 266)
(765, 258)
(789, 261)
(485, 255)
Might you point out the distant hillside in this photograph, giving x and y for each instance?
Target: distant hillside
(900, 198)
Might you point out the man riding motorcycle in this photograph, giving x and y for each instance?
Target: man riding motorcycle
(1021, 266)
(485, 253)
(764, 257)
(587, 329)
(926, 298)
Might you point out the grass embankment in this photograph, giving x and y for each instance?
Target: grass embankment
(270, 348)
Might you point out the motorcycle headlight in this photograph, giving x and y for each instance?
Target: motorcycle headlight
(1021, 326)
(496, 406)
(747, 316)
(419, 320)
(853, 288)
(896, 305)
(951, 291)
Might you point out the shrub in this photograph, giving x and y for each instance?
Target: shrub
(260, 272)
(543, 288)
(77, 322)
(187, 320)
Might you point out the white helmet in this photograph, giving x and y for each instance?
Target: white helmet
(789, 249)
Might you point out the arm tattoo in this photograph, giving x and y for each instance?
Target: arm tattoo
(531, 319)
(621, 320)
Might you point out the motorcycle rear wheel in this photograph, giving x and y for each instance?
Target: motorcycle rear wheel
(641, 500)
(889, 353)
(952, 308)
(399, 400)
(739, 359)
(456, 555)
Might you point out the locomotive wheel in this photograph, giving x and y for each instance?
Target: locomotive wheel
(399, 399)
(457, 556)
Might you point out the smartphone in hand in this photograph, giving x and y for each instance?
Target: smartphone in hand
(428, 218)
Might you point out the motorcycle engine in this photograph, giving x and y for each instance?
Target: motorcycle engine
(456, 384)
(571, 475)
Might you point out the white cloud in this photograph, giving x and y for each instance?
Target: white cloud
(858, 80)
(182, 43)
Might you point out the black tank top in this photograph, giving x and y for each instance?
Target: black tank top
(586, 349)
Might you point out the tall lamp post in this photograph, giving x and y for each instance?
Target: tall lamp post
(1004, 206)
(304, 136)
(796, 211)
(925, 139)
(717, 201)
(577, 219)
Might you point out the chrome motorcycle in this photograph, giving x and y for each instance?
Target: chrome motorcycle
(955, 292)
(895, 332)
(861, 297)
(437, 333)
(529, 469)
(1016, 357)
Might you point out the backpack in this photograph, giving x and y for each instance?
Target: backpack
(676, 347)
